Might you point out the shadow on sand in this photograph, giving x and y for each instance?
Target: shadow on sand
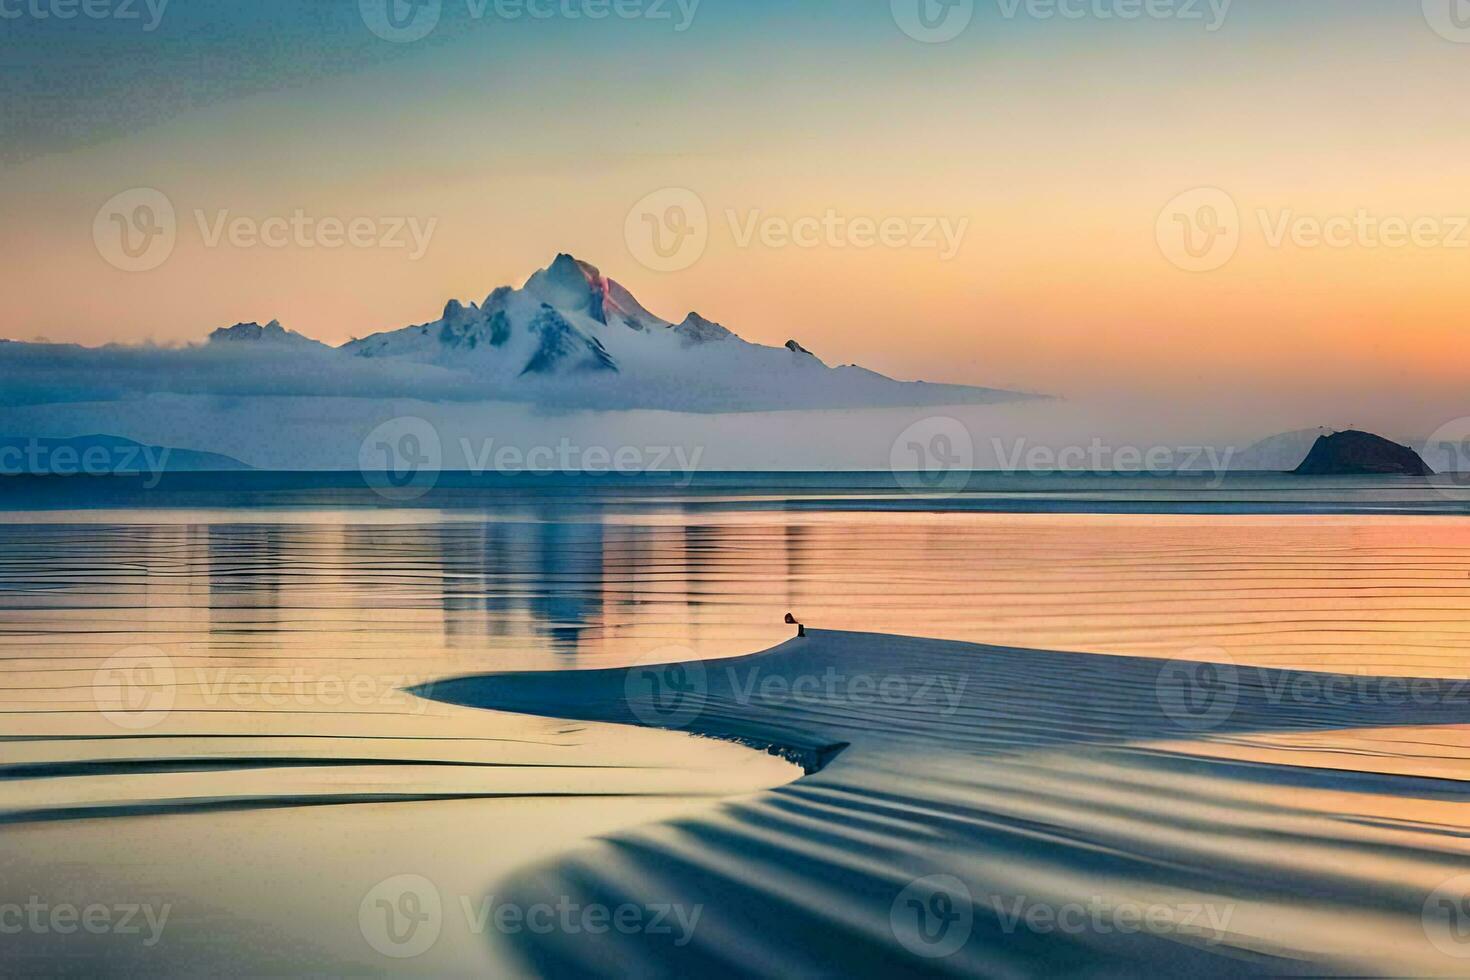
(975, 810)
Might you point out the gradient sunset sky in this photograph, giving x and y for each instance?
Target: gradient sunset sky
(1059, 140)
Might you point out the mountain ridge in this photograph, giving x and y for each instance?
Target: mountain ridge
(570, 336)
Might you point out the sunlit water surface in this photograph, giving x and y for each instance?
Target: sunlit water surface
(182, 684)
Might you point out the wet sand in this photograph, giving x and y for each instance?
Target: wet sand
(1008, 812)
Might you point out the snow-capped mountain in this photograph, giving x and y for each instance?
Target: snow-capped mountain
(572, 335)
(568, 339)
(272, 334)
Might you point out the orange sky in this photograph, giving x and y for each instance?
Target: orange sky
(1057, 145)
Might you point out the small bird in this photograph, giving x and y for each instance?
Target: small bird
(791, 620)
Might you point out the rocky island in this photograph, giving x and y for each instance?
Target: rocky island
(1354, 453)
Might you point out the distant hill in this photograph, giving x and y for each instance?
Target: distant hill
(270, 334)
(1280, 453)
(1355, 453)
(102, 455)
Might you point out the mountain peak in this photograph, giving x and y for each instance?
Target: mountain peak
(254, 333)
(572, 336)
(697, 330)
(570, 284)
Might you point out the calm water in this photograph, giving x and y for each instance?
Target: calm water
(183, 678)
